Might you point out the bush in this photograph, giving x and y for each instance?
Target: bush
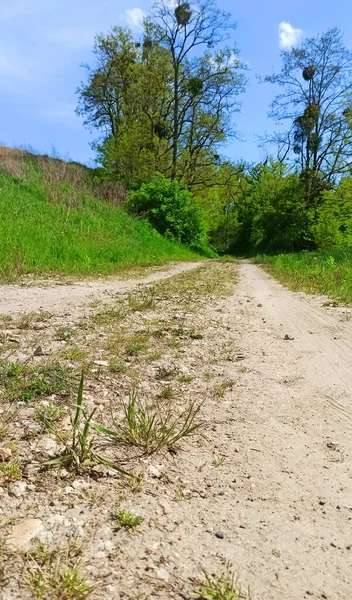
(334, 217)
(170, 209)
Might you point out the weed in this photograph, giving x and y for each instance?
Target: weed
(221, 388)
(143, 299)
(62, 334)
(222, 586)
(55, 575)
(48, 415)
(196, 335)
(167, 393)
(167, 372)
(21, 382)
(135, 349)
(218, 461)
(10, 471)
(154, 428)
(74, 353)
(126, 519)
(108, 315)
(28, 321)
(186, 378)
(79, 451)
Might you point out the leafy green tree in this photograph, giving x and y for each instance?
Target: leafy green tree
(205, 88)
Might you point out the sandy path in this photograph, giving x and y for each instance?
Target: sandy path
(282, 498)
(293, 419)
(60, 298)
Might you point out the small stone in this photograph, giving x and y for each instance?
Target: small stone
(321, 502)
(349, 547)
(38, 351)
(23, 533)
(259, 305)
(49, 446)
(5, 454)
(154, 472)
(219, 535)
(162, 574)
(288, 337)
(17, 489)
(165, 506)
(101, 363)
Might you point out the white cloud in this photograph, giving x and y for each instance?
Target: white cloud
(288, 35)
(134, 17)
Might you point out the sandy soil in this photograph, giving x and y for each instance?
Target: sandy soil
(15, 299)
(268, 489)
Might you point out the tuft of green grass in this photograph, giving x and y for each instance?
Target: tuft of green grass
(22, 382)
(154, 428)
(123, 518)
(322, 272)
(143, 299)
(42, 233)
(62, 334)
(55, 575)
(221, 586)
(29, 320)
(167, 393)
(48, 415)
(10, 471)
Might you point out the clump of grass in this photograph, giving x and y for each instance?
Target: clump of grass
(221, 389)
(218, 461)
(110, 314)
(28, 320)
(26, 383)
(157, 427)
(10, 471)
(74, 353)
(221, 586)
(55, 575)
(321, 272)
(167, 372)
(123, 518)
(79, 450)
(167, 393)
(62, 334)
(143, 299)
(186, 378)
(48, 415)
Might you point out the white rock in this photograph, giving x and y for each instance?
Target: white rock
(101, 363)
(162, 574)
(23, 533)
(17, 489)
(154, 472)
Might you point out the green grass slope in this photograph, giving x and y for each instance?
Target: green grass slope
(322, 272)
(39, 236)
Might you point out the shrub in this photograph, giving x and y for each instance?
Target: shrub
(334, 217)
(170, 208)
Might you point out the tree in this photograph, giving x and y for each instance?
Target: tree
(200, 85)
(316, 78)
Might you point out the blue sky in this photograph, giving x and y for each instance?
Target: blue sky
(43, 43)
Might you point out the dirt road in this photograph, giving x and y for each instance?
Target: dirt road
(270, 487)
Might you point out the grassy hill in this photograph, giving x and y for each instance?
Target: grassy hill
(54, 220)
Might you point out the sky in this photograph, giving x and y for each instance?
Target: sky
(44, 42)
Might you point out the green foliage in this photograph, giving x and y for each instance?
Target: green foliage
(325, 272)
(170, 208)
(333, 226)
(39, 236)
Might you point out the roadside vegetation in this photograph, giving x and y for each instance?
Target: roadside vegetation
(324, 272)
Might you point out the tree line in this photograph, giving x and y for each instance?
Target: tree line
(164, 103)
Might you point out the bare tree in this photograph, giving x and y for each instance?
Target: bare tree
(317, 84)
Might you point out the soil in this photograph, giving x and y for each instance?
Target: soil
(267, 487)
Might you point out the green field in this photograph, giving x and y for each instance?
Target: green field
(42, 236)
(322, 272)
